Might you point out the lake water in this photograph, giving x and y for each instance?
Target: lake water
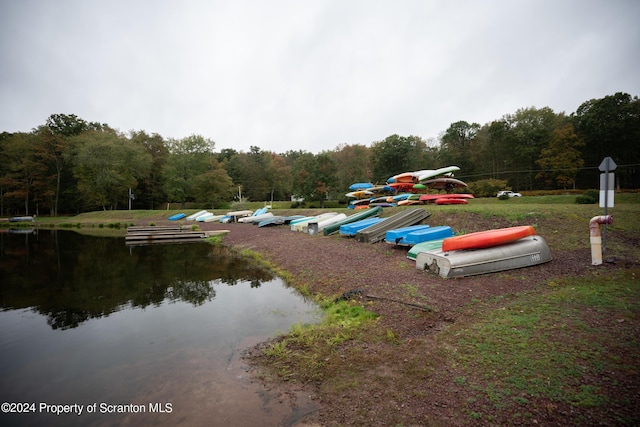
(143, 335)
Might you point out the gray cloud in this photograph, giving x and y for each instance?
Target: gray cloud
(287, 75)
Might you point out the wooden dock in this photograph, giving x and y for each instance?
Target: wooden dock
(147, 235)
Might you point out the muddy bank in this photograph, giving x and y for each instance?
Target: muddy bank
(387, 390)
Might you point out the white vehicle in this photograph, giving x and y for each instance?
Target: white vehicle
(508, 193)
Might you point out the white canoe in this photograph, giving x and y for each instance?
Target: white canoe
(195, 215)
(204, 216)
(318, 227)
(214, 218)
(233, 216)
(303, 225)
(258, 218)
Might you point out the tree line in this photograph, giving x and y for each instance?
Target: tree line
(70, 165)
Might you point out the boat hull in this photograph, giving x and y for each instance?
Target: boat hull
(429, 198)
(434, 233)
(22, 219)
(487, 239)
(330, 229)
(193, 217)
(397, 235)
(525, 252)
(451, 201)
(352, 228)
(444, 183)
(428, 246)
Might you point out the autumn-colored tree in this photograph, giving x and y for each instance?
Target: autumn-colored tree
(561, 159)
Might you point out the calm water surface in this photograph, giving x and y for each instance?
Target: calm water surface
(147, 334)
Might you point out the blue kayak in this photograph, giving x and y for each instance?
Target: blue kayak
(352, 228)
(433, 233)
(177, 217)
(396, 236)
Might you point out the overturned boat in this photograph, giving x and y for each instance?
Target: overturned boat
(525, 252)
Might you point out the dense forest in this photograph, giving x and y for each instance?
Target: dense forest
(70, 165)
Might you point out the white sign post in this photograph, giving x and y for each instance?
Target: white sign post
(607, 180)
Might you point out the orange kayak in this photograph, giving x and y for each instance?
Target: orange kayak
(487, 239)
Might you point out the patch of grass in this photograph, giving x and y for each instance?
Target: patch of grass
(214, 240)
(541, 345)
(309, 351)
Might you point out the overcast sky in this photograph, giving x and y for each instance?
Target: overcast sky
(308, 74)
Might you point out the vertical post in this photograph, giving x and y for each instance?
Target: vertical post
(607, 166)
(129, 198)
(606, 205)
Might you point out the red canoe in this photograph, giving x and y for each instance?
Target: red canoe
(434, 197)
(487, 239)
(451, 201)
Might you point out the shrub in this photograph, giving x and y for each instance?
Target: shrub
(594, 194)
(487, 187)
(590, 197)
(585, 200)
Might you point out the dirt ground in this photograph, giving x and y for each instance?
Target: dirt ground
(333, 265)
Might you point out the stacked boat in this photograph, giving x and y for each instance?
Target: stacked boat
(410, 188)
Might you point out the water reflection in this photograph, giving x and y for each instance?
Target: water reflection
(87, 319)
(70, 277)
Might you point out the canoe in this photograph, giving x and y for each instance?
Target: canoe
(352, 228)
(400, 197)
(377, 232)
(360, 194)
(294, 221)
(303, 224)
(361, 202)
(402, 177)
(27, 218)
(437, 172)
(381, 199)
(396, 235)
(409, 202)
(379, 189)
(274, 220)
(451, 201)
(253, 218)
(333, 228)
(487, 239)
(288, 219)
(402, 186)
(240, 213)
(214, 218)
(176, 217)
(433, 197)
(432, 233)
(444, 183)
(360, 186)
(201, 218)
(318, 227)
(428, 246)
(193, 217)
(260, 211)
(525, 252)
